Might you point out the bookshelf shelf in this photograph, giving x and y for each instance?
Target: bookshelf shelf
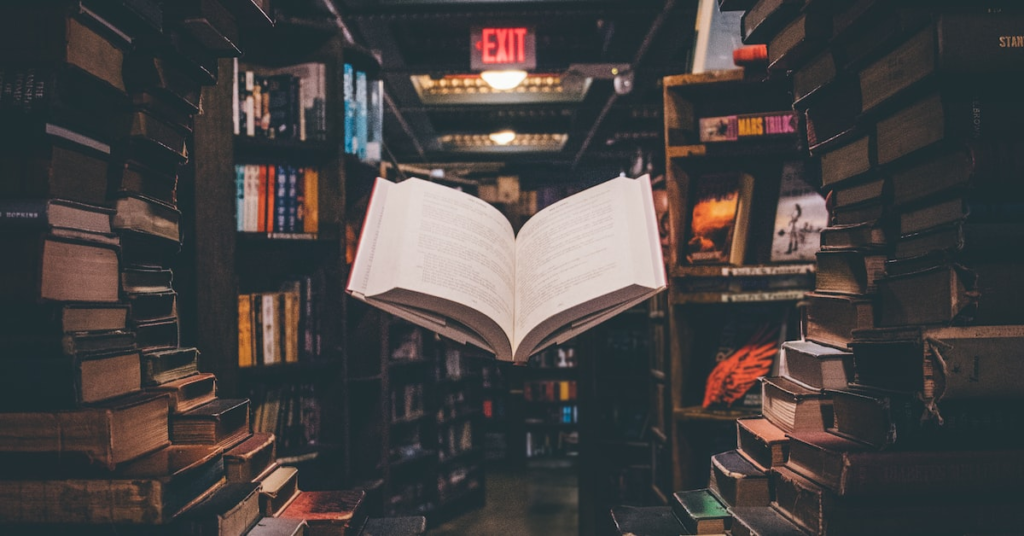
(772, 148)
(698, 413)
(789, 295)
(250, 148)
(291, 369)
(257, 238)
(759, 270)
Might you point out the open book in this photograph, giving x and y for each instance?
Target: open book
(450, 262)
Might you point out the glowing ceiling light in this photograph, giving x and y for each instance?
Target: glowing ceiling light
(504, 137)
(503, 80)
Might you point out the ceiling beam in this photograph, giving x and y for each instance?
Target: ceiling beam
(652, 33)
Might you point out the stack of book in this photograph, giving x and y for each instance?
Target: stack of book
(99, 97)
(909, 432)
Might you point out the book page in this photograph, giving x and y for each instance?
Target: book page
(452, 245)
(583, 248)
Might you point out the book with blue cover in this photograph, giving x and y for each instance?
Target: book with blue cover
(349, 90)
(359, 139)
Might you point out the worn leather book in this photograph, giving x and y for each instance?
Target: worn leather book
(934, 289)
(162, 366)
(762, 521)
(813, 78)
(793, 407)
(960, 239)
(252, 459)
(832, 118)
(891, 420)
(762, 21)
(817, 366)
(737, 482)
(851, 160)
(162, 77)
(159, 334)
(232, 509)
(700, 512)
(278, 490)
(104, 435)
(63, 33)
(35, 382)
(795, 43)
(963, 44)
(152, 490)
(208, 22)
(942, 362)
(144, 250)
(761, 442)
(223, 422)
(978, 169)
(328, 513)
(38, 266)
(272, 526)
(832, 318)
(948, 116)
(849, 271)
(63, 95)
(636, 520)
(822, 513)
(135, 178)
(58, 163)
(188, 393)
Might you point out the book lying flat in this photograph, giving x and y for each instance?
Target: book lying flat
(450, 262)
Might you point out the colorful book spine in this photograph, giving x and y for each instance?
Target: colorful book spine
(359, 140)
(281, 201)
(312, 202)
(293, 199)
(348, 83)
(300, 201)
(240, 190)
(263, 182)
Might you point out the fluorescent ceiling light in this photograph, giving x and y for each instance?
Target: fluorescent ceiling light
(504, 137)
(503, 79)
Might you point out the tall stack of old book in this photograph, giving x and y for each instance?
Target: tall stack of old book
(896, 412)
(105, 422)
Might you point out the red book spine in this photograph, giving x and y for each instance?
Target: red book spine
(269, 193)
(261, 218)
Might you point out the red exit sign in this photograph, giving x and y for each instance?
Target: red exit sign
(502, 47)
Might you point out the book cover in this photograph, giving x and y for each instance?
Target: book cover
(281, 200)
(162, 366)
(375, 121)
(700, 511)
(719, 218)
(311, 198)
(737, 482)
(240, 192)
(800, 217)
(261, 222)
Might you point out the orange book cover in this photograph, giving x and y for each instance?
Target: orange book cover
(261, 215)
(311, 202)
(326, 510)
(718, 220)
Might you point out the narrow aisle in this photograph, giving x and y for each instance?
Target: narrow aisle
(523, 502)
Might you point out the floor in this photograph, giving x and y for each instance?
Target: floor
(523, 502)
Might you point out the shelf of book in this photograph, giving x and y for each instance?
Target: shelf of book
(760, 270)
(279, 237)
(789, 295)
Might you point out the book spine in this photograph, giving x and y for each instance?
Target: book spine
(295, 109)
(272, 179)
(249, 105)
(293, 199)
(240, 192)
(245, 358)
(270, 339)
(24, 214)
(261, 221)
(236, 87)
(922, 472)
(281, 201)
(300, 200)
(350, 110)
(312, 201)
(359, 140)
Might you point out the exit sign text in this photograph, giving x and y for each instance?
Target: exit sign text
(502, 47)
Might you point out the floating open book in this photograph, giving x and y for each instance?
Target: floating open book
(449, 262)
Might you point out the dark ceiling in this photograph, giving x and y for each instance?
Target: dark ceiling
(606, 132)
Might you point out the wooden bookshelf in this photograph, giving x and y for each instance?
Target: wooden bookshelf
(705, 301)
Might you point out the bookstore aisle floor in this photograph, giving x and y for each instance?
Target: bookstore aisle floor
(522, 503)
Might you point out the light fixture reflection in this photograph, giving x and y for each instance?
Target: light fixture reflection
(504, 137)
(503, 80)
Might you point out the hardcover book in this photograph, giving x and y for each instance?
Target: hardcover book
(700, 512)
(562, 281)
(639, 520)
(152, 490)
(36, 382)
(793, 407)
(42, 267)
(232, 509)
(761, 442)
(278, 490)
(737, 482)
(800, 218)
(162, 366)
(223, 422)
(252, 459)
(105, 435)
(274, 526)
(190, 392)
(762, 521)
(831, 318)
(328, 513)
(719, 218)
(815, 365)
(941, 362)
(62, 164)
